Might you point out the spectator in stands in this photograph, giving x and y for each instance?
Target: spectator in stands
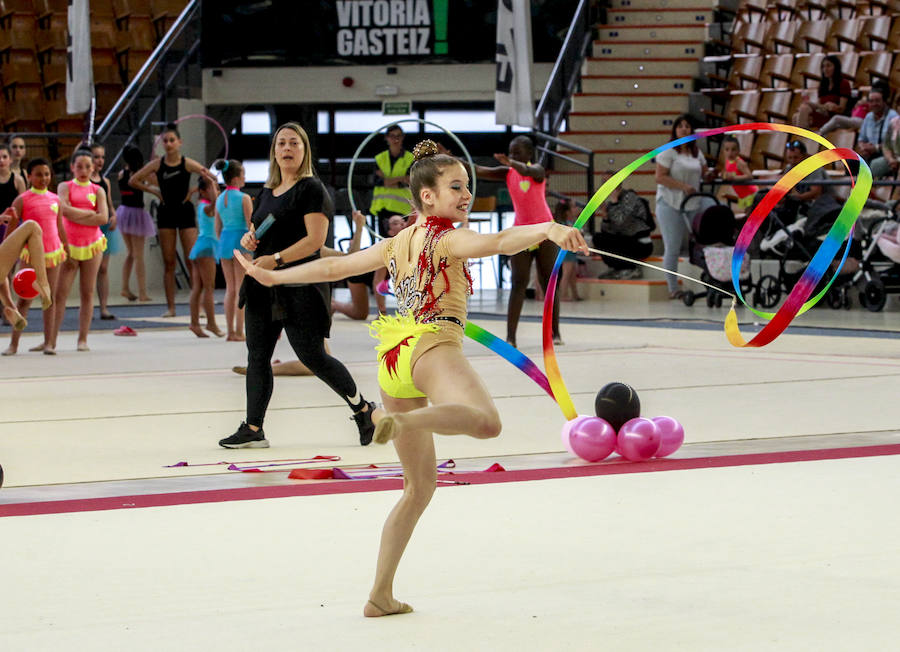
(852, 121)
(565, 213)
(391, 196)
(679, 172)
(874, 131)
(624, 230)
(833, 96)
(17, 150)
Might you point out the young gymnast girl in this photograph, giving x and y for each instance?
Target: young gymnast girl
(203, 260)
(84, 208)
(110, 230)
(11, 186)
(420, 351)
(42, 206)
(527, 186)
(234, 208)
(136, 225)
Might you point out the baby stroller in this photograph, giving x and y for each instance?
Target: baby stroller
(879, 271)
(713, 231)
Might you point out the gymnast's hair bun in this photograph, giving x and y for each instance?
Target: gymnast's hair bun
(425, 149)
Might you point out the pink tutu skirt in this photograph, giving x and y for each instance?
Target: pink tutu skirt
(135, 221)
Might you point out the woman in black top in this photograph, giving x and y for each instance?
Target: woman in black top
(176, 213)
(296, 199)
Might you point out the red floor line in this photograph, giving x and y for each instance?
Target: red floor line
(356, 486)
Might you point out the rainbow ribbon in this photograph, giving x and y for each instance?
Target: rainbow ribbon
(794, 304)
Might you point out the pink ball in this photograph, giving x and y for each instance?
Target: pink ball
(384, 287)
(638, 440)
(567, 428)
(671, 434)
(592, 439)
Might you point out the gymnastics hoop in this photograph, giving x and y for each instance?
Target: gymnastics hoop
(190, 117)
(385, 126)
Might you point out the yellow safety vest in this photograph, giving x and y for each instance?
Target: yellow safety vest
(393, 199)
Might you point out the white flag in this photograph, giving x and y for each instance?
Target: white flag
(79, 69)
(513, 101)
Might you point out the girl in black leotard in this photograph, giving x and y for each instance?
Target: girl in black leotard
(175, 218)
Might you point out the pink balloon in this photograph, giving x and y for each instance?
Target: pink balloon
(671, 433)
(592, 439)
(638, 440)
(567, 429)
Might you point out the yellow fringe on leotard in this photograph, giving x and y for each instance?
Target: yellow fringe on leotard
(397, 336)
(51, 258)
(87, 251)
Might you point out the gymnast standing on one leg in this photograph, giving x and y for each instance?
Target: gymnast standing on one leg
(296, 199)
(29, 233)
(420, 354)
(527, 186)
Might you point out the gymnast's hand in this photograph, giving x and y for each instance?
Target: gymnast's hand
(503, 159)
(248, 240)
(568, 238)
(262, 274)
(7, 215)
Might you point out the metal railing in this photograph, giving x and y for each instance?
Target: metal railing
(133, 91)
(127, 103)
(556, 101)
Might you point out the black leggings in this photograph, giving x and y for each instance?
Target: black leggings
(520, 268)
(309, 345)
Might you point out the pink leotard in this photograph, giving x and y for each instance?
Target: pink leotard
(84, 241)
(42, 206)
(529, 198)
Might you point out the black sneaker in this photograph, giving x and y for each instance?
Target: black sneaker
(244, 437)
(365, 425)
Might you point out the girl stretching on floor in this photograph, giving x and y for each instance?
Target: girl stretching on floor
(420, 351)
(42, 206)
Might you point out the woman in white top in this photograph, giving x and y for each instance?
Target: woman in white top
(678, 174)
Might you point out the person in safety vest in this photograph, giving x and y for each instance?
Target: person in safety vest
(391, 195)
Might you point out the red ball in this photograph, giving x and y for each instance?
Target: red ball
(23, 283)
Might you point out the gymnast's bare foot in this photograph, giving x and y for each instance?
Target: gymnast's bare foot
(145, 299)
(168, 313)
(389, 427)
(39, 347)
(388, 607)
(196, 330)
(10, 350)
(13, 316)
(128, 295)
(46, 296)
(82, 346)
(215, 331)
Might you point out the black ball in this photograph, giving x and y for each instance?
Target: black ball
(617, 403)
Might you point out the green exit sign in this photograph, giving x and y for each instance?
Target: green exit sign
(396, 108)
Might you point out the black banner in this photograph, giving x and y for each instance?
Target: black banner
(335, 32)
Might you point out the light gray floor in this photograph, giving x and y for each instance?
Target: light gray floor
(791, 556)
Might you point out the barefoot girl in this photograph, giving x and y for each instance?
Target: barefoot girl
(11, 186)
(234, 208)
(203, 260)
(135, 224)
(110, 230)
(39, 204)
(420, 354)
(176, 218)
(84, 208)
